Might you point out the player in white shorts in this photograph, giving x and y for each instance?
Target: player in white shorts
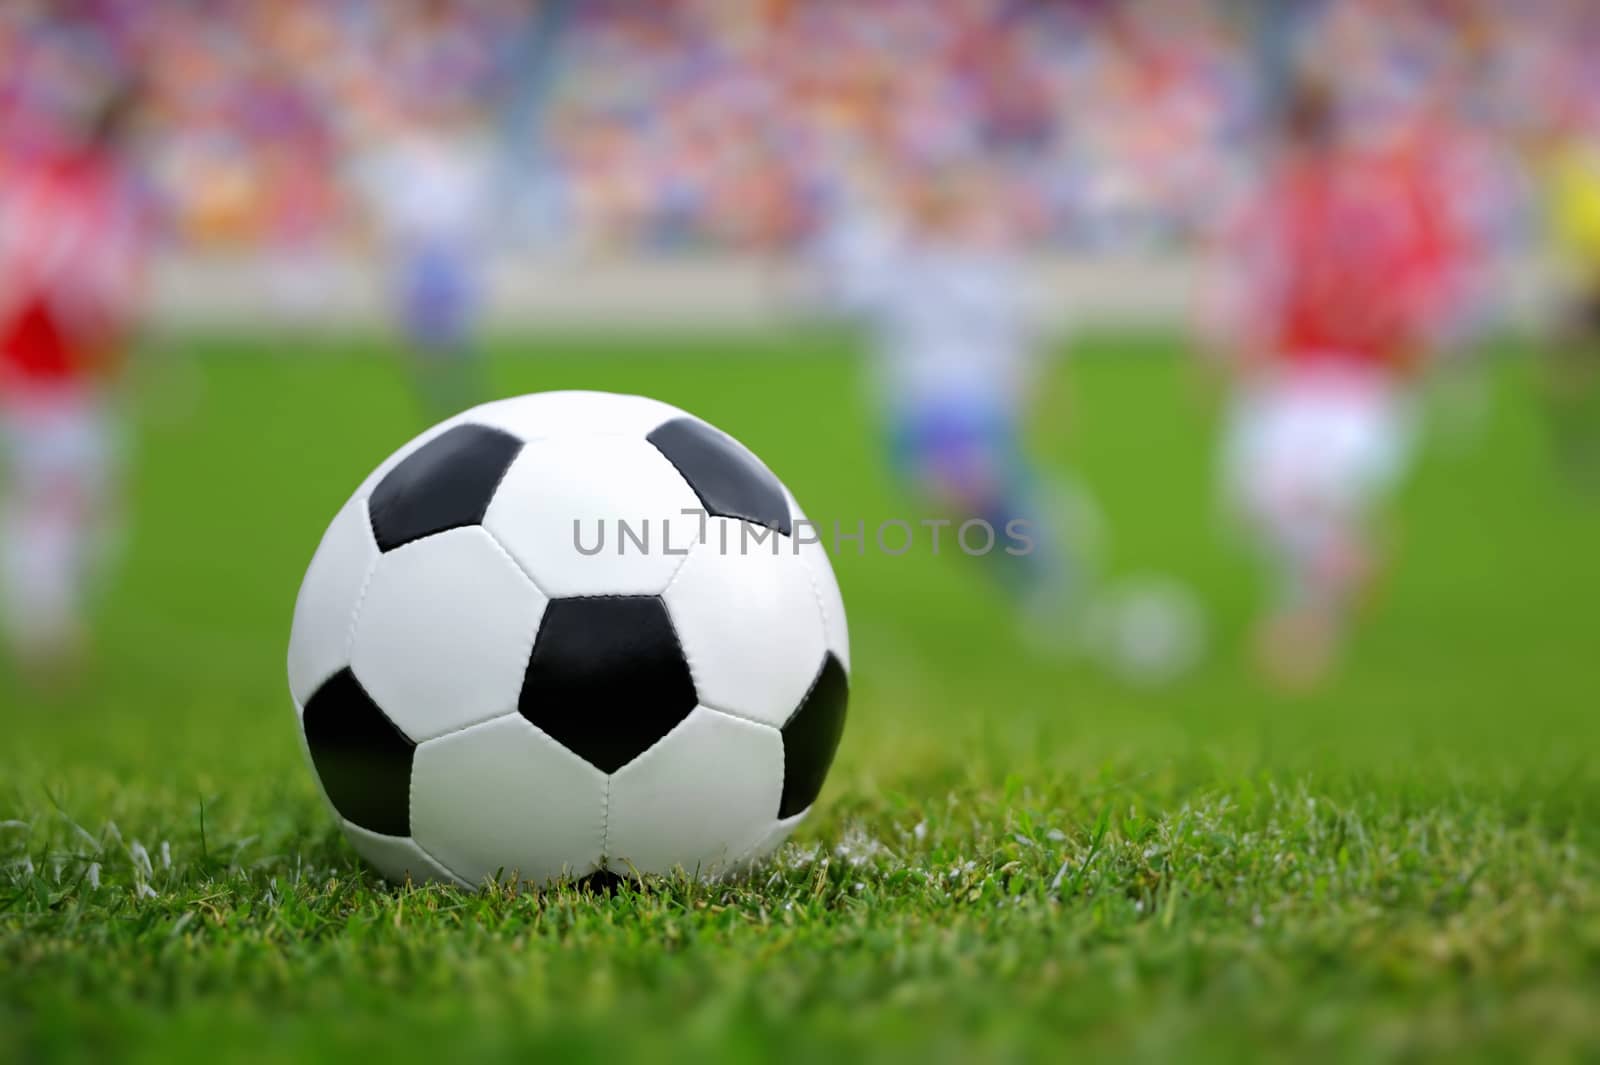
(955, 366)
(71, 253)
(1341, 271)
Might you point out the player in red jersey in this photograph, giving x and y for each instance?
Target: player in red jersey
(70, 258)
(1339, 273)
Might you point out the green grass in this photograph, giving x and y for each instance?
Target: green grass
(1011, 859)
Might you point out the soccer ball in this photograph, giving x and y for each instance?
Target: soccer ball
(1149, 630)
(569, 633)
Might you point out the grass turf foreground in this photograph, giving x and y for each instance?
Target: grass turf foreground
(1012, 859)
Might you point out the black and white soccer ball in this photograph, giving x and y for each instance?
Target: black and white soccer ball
(484, 695)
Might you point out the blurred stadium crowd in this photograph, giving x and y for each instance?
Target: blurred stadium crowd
(716, 123)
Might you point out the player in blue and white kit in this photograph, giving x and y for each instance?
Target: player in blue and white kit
(430, 181)
(430, 188)
(954, 364)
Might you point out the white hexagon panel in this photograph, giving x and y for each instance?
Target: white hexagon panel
(699, 800)
(809, 540)
(443, 635)
(776, 836)
(748, 617)
(502, 799)
(398, 857)
(552, 415)
(595, 516)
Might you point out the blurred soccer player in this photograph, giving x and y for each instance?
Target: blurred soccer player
(1572, 181)
(955, 365)
(429, 182)
(70, 256)
(1338, 275)
(430, 190)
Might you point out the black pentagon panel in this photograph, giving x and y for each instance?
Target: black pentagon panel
(445, 484)
(730, 481)
(363, 760)
(811, 737)
(607, 678)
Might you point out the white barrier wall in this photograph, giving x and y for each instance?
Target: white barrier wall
(255, 291)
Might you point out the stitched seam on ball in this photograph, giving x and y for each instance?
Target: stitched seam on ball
(792, 823)
(355, 614)
(411, 803)
(677, 570)
(783, 762)
(809, 690)
(783, 772)
(538, 623)
(366, 580)
(411, 799)
(305, 749)
(605, 824)
(636, 759)
(459, 880)
(737, 717)
(706, 502)
(686, 480)
(822, 607)
(683, 649)
(522, 445)
(745, 856)
(783, 777)
(500, 716)
(515, 561)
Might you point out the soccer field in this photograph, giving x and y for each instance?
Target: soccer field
(1011, 859)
